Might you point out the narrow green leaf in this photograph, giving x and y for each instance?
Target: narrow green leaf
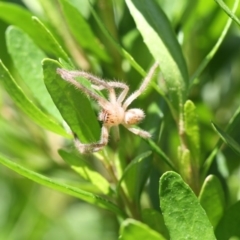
(64, 188)
(211, 54)
(162, 43)
(18, 16)
(229, 224)
(82, 168)
(132, 229)
(72, 104)
(27, 58)
(161, 154)
(227, 139)
(182, 212)
(207, 164)
(212, 199)
(234, 121)
(82, 31)
(232, 124)
(192, 130)
(116, 44)
(135, 175)
(127, 55)
(53, 43)
(154, 219)
(27, 105)
(228, 11)
(84, 7)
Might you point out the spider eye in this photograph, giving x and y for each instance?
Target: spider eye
(134, 116)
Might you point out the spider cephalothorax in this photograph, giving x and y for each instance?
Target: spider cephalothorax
(114, 110)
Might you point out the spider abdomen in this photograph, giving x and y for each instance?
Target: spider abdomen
(114, 109)
(133, 116)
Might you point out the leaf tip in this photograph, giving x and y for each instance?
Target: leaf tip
(34, 18)
(168, 176)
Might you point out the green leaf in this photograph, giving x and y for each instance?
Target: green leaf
(132, 229)
(234, 121)
(53, 43)
(64, 188)
(121, 50)
(192, 130)
(228, 11)
(27, 58)
(20, 17)
(82, 167)
(154, 219)
(72, 104)
(182, 212)
(229, 224)
(185, 165)
(136, 174)
(161, 154)
(207, 164)
(213, 51)
(227, 139)
(212, 199)
(125, 54)
(82, 31)
(232, 124)
(162, 43)
(26, 104)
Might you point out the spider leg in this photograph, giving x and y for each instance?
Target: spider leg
(69, 77)
(93, 147)
(137, 131)
(98, 83)
(124, 92)
(95, 80)
(121, 85)
(142, 87)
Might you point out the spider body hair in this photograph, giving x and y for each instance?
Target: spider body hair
(114, 110)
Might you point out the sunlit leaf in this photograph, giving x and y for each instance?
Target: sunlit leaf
(162, 43)
(26, 104)
(227, 139)
(228, 11)
(154, 219)
(234, 121)
(82, 31)
(132, 229)
(124, 53)
(212, 199)
(53, 43)
(213, 51)
(192, 130)
(72, 104)
(161, 154)
(135, 175)
(64, 188)
(27, 58)
(182, 212)
(20, 17)
(83, 168)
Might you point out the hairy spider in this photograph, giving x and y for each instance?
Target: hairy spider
(113, 111)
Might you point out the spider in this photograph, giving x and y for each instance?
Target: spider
(114, 110)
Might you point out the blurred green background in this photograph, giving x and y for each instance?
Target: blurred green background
(30, 211)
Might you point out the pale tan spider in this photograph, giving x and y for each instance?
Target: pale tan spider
(113, 111)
